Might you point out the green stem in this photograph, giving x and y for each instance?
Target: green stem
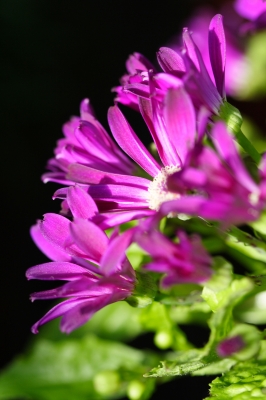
(247, 146)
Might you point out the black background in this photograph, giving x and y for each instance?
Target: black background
(55, 53)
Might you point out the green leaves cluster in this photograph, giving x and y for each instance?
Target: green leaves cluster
(243, 382)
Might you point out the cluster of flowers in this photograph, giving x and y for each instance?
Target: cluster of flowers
(198, 172)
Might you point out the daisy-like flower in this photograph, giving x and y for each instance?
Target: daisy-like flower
(216, 185)
(187, 65)
(237, 64)
(95, 268)
(184, 262)
(172, 123)
(85, 143)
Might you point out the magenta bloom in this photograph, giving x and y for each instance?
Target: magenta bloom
(172, 124)
(219, 185)
(188, 67)
(230, 346)
(95, 268)
(252, 10)
(237, 67)
(86, 143)
(184, 262)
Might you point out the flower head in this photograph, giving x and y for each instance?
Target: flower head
(172, 123)
(237, 65)
(85, 143)
(184, 262)
(95, 268)
(219, 185)
(187, 66)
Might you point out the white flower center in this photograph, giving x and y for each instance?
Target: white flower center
(158, 191)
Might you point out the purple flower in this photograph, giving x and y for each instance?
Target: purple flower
(172, 123)
(184, 262)
(95, 268)
(219, 185)
(86, 143)
(229, 346)
(188, 67)
(254, 11)
(237, 66)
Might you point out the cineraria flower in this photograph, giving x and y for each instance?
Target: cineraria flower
(187, 65)
(184, 262)
(254, 11)
(97, 271)
(237, 65)
(219, 186)
(172, 124)
(86, 143)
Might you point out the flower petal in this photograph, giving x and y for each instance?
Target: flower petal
(57, 311)
(109, 220)
(170, 61)
(57, 271)
(180, 121)
(80, 203)
(115, 253)
(82, 312)
(130, 143)
(52, 252)
(87, 175)
(89, 238)
(225, 145)
(217, 51)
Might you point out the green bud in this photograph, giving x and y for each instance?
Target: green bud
(144, 292)
(135, 390)
(163, 339)
(106, 382)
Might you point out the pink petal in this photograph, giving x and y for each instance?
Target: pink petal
(180, 121)
(89, 238)
(115, 253)
(80, 203)
(57, 230)
(170, 61)
(118, 193)
(52, 252)
(87, 175)
(84, 310)
(57, 311)
(217, 51)
(225, 145)
(130, 143)
(57, 271)
(109, 220)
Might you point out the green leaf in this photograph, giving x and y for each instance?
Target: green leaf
(222, 293)
(248, 250)
(74, 369)
(260, 225)
(245, 381)
(253, 309)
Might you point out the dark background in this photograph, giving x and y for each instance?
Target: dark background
(55, 53)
